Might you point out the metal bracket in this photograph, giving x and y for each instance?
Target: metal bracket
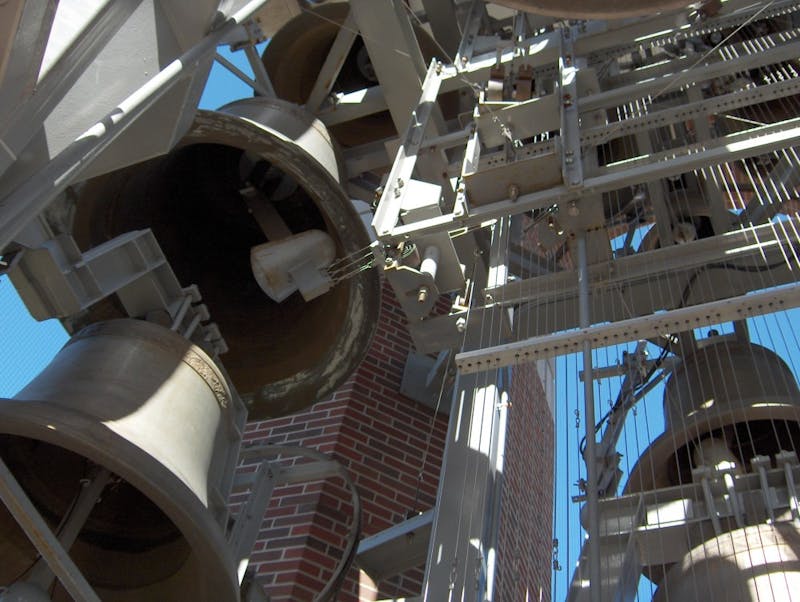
(42, 537)
(571, 162)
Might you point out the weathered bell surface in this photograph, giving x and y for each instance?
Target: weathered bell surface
(743, 394)
(153, 409)
(283, 355)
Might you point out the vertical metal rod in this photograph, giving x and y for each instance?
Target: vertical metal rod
(35, 527)
(762, 478)
(787, 469)
(590, 456)
(711, 507)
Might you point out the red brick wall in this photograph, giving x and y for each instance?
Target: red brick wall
(386, 441)
(524, 546)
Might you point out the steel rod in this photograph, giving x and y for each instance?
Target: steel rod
(42, 574)
(643, 327)
(33, 196)
(257, 86)
(590, 455)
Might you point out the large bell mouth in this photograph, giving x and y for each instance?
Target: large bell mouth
(759, 562)
(125, 527)
(283, 356)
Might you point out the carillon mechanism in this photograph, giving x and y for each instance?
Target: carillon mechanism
(583, 215)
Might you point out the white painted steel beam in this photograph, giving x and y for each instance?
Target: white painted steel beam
(737, 247)
(337, 55)
(543, 51)
(644, 327)
(388, 210)
(465, 530)
(442, 19)
(394, 53)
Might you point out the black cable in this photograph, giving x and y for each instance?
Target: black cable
(645, 381)
(723, 266)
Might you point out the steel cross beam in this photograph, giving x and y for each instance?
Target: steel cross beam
(533, 116)
(644, 327)
(542, 51)
(337, 55)
(604, 40)
(738, 246)
(25, 202)
(444, 25)
(394, 53)
(729, 148)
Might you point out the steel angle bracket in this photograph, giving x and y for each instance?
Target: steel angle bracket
(387, 214)
(672, 321)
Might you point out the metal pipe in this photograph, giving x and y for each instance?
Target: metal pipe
(590, 455)
(32, 197)
(259, 71)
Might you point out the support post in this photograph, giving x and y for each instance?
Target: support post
(590, 455)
